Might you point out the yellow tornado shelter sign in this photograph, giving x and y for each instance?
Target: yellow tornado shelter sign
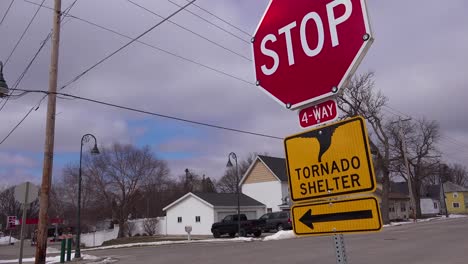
(330, 161)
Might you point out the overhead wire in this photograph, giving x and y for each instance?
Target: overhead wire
(191, 31)
(142, 112)
(223, 20)
(24, 32)
(43, 43)
(18, 81)
(211, 23)
(124, 46)
(6, 13)
(156, 48)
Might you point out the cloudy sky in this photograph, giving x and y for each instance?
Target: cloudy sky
(201, 70)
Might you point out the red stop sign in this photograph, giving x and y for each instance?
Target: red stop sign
(306, 50)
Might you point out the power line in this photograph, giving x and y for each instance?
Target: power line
(156, 48)
(137, 111)
(191, 31)
(20, 78)
(24, 32)
(227, 22)
(124, 46)
(6, 13)
(36, 106)
(211, 23)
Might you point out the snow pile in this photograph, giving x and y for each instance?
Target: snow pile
(158, 243)
(457, 216)
(6, 239)
(280, 235)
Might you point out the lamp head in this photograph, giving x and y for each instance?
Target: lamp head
(229, 163)
(95, 150)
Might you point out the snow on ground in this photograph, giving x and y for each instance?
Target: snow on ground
(280, 235)
(426, 220)
(51, 250)
(6, 239)
(158, 243)
(457, 216)
(56, 259)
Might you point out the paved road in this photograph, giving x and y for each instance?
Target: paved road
(433, 242)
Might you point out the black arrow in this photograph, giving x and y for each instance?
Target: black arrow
(308, 219)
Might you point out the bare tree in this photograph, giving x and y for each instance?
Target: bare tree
(361, 98)
(119, 175)
(228, 182)
(422, 155)
(150, 226)
(208, 185)
(458, 174)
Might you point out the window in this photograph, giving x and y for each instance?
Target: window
(269, 210)
(456, 205)
(436, 206)
(391, 209)
(403, 207)
(179, 219)
(284, 215)
(455, 195)
(197, 219)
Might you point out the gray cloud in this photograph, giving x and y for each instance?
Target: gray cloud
(419, 58)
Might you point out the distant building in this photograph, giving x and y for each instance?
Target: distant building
(201, 210)
(266, 180)
(456, 197)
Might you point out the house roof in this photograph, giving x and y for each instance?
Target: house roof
(228, 199)
(399, 187)
(218, 199)
(433, 192)
(276, 165)
(452, 187)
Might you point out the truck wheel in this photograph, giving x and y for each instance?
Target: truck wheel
(216, 234)
(232, 234)
(242, 233)
(257, 233)
(279, 227)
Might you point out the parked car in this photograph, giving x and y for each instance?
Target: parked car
(229, 225)
(276, 221)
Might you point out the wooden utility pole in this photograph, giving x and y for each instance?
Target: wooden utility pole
(49, 139)
(408, 172)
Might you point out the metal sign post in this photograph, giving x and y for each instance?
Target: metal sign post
(340, 249)
(25, 194)
(23, 223)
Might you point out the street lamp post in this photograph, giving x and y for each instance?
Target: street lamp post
(229, 164)
(3, 85)
(94, 151)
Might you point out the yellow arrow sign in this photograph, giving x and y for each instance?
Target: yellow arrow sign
(329, 161)
(346, 216)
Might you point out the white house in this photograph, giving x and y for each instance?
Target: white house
(201, 210)
(430, 200)
(266, 181)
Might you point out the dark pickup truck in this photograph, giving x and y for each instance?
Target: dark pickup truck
(229, 225)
